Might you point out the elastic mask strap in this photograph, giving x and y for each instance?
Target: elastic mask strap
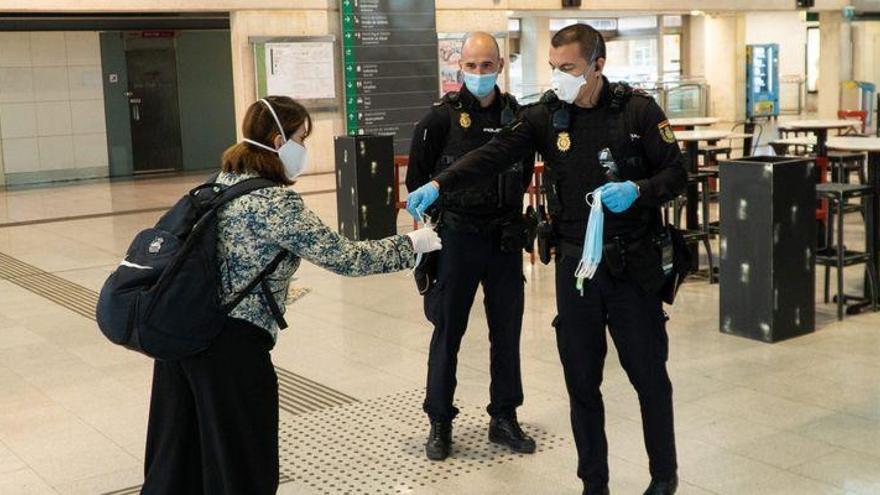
(590, 198)
(261, 145)
(277, 121)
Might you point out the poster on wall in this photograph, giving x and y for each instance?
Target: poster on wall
(449, 54)
(302, 68)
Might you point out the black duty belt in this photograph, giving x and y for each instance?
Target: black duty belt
(474, 225)
(574, 250)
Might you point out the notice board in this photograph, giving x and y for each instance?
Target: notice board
(303, 68)
(390, 67)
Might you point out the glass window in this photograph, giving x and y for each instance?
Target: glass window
(600, 24)
(672, 21)
(632, 59)
(671, 55)
(513, 25)
(812, 59)
(636, 23)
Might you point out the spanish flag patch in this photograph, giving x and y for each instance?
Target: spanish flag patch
(666, 133)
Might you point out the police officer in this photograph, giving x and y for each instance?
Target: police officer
(597, 135)
(483, 236)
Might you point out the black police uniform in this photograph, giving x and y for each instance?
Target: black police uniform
(643, 149)
(479, 227)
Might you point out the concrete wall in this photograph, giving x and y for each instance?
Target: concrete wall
(715, 45)
(835, 61)
(866, 60)
(51, 106)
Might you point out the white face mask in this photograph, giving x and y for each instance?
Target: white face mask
(566, 86)
(292, 154)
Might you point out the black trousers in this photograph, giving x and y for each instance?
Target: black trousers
(466, 261)
(638, 327)
(213, 424)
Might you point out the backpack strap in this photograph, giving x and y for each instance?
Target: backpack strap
(260, 280)
(241, 188)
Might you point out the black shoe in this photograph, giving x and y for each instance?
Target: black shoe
(665, 487)
(439, 440)
(596, 491)
(506, 431)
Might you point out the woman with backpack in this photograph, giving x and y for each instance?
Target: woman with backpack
(213, 425)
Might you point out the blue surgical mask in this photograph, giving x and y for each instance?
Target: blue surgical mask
(480, 85)
(592, 252)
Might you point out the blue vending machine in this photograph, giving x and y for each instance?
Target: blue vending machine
(762, 80)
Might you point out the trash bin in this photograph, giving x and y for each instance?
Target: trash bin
(767, 247)
(365, 203)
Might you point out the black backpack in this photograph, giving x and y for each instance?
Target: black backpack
(164, 299)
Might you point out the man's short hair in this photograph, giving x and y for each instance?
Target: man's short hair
(591, 41)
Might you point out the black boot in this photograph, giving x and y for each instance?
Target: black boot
(596, 491)
(439, 440)
(506, 431)
(663, 487)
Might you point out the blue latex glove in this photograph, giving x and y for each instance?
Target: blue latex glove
(419, 200)
(619, 196)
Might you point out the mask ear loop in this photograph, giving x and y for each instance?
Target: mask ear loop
(275, 116)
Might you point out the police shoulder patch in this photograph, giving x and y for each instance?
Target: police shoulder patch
(666, 133)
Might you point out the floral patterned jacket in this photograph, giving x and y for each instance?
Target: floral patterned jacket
(254, 228)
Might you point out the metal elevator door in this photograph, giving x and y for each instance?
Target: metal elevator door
(154, 111)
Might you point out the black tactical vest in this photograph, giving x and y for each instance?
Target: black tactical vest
(571, 165)
(467, 132)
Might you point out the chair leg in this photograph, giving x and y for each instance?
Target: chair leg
(707, 243)
(827, 284)
(840, 256)
(676, 212)
(872, 279)
(704, 197)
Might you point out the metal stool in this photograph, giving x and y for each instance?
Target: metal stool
(837, 255)
(704, 232)
(843, 163)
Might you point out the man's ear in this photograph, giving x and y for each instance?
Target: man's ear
(501, 65)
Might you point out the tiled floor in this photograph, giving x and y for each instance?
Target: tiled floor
(800, 417)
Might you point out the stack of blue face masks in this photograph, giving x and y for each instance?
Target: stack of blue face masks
(592, 253)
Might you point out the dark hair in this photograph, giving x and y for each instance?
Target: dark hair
(260, 126)
(591, 41)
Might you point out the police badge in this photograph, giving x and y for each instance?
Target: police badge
(563, 141)
(464, 120)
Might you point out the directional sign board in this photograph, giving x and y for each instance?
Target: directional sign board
(389, 54)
